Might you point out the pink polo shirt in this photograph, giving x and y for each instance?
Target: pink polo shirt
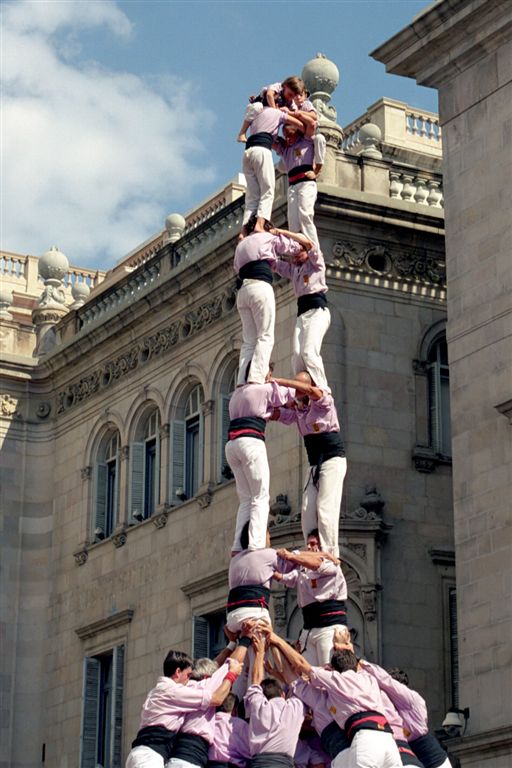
(306, 278)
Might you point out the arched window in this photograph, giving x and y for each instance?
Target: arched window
(439, 398)
(144, 473)
(187, 448)
(228, 386)
(106, 487)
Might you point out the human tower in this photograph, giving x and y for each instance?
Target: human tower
(263, 703)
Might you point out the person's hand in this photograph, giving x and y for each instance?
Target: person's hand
(277, 576)
(285, 110)
(310, 175)
(231, 636)
(274, 416)
(283, 553)
(341, 640)
(235, 666)
(332, 558)
(248, 626)
(258, 643)
(275, 231)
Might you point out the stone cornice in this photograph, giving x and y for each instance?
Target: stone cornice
(206, 583)
(446, 38)
(102, 625)
(487, 743)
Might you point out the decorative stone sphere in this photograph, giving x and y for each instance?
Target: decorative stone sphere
(53, 265)
(5, 295)
(175, 225)
(370, 133)
(80, 291)
(320, 74)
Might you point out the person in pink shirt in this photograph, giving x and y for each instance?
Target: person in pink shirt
(230, 748)
(254, 256)
(316, 417)
(321, 595)
(168, 703)
(250, 407)
(274, 722)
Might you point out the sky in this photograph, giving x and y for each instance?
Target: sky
(115, 114)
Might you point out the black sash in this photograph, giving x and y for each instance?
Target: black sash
(322, 446)
(310, 301)
(262, 139)
(298, 174)
(428, 750)
(271, 760)
(247, 426)
(407, 755)
(192, 748)
(248, 596)
(333, 740)
(370, 720)
(324, 614)
(158, 738)
(220, 764)
(256, 270)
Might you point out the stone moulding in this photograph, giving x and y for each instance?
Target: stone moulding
(110, 622)
(147, 348)
(417, 266)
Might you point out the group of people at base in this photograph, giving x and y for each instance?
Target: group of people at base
(263, 703)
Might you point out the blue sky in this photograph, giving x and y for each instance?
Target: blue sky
(118, 113)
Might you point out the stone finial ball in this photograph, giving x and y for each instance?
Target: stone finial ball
(320, 74)
(175, 225)
(6, 297)
(53, 264)
(370, 131)
(80, 290)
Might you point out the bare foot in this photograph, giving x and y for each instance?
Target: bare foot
(242, 138)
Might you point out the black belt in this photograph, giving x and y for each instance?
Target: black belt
(310, 301)
(220, 764)
(370, 720)
(428, 750)
(256, 270)
(191, 748)
(333, 740)
(407, 755)
(158, 738)
(324, 614)
(322, 446)
(271, 760)
(298, 174)
(248, 596)
(262, 139)
(247, 426)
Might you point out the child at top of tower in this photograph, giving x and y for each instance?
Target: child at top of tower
(290, 95)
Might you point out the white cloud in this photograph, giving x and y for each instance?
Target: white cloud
(93, 159)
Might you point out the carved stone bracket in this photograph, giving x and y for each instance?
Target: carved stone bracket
(280, 511)
(124, 452)
(208, 407)
(205, 499)
(369, 601)
(165, 431)
(424, 459)
(160, 519)
(505, 409)
(86, 473)
(81, 554)
(119, 537)
(417, 265)
(279, 606)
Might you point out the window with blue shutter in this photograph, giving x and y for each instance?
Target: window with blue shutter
(177, 462)
(136, 482)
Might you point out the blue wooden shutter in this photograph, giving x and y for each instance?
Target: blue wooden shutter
(116, 736)
(223, 432)
(435, 410)
(177, 465)
(156, 476)
(100, 489)
(136, 481)
(89, 734)
(200, 629)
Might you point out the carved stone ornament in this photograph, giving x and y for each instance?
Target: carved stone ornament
(279, 603)
(160, 520)
(119, 537)
(417, 265)
(164, 431)
(358, 549)
(208, 407)
(149, 347)
(205, 499)
(369, 509)
(8, 405)
(43, 410)
(369, 600)
(124, 452)
(280, 511)
(81, 555)
(86, 473)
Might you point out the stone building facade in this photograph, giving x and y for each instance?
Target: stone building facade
(464, 49)
(119, 509)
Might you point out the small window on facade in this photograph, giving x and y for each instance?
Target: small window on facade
(144, 492)
(106, 487)
(102, 710)
(208, 635)
(439, 398)
(187, 449)
(227, 390)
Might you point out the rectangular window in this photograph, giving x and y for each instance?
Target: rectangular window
(208, 635)
(102, 711)
(111, 497)
(150, 475)
(192, 457)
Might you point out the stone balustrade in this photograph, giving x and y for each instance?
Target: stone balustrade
(416, 189)
(228, 194)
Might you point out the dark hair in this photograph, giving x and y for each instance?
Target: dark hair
(295, 84)
(176, 660)
(343, 661)
(249, 225)
(244, 536)
(229, 703)
(399, 675)
(272, 688)
(314, 532)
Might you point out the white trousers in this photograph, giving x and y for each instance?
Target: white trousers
(317, 644)
(372, 749)
(257, 309)
(301, 209)
(321, 506)
(144, 757)
(177, 762)
(260, 179)
(247, 457)
(310, 329)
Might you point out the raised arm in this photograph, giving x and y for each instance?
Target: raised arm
(310, 560)
(295, 660)
(314, 393)
(258, 669)
(297, 236)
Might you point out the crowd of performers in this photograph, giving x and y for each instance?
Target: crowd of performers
(262, 702)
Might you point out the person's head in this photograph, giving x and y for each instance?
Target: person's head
(178, 666)
(249, 226)
(344, 661)
(203, 668)
(272, 688)
(293, 87)
(292, 134)
(399, 675)
(301, 257)
(306, 379)
(313, 541)
(229, 704)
